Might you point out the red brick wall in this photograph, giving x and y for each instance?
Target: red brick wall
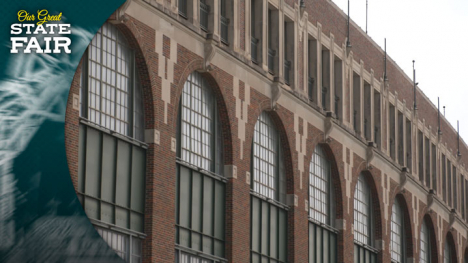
(161, 170)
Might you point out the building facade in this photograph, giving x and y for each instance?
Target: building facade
(250, 131)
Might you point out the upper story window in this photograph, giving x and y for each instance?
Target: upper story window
(397, 233)
(199, 126)
(322, 237)
(447, 253)
(111, 96)
(268, 174)
(320, 190)
(111, 170)
(363, 223)
(425, 253)
(362, 212)
(268, 220)
(200, 186)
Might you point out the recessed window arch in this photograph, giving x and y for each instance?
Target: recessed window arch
(201, 186)
(397, 233)
(268, 208)
(112, 156)
(363, 223)
(322, 234)
(425, 244)
(449, 251)
(111, 94)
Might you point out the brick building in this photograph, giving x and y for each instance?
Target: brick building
(249, 131)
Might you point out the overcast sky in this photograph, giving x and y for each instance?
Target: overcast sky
(434, 34)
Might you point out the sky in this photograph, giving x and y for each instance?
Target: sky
(434, 34)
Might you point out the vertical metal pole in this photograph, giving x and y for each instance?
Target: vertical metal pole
(348, 43)
(458, 138)
(366, 13)
(385, 59)
(438, 114)
(414, 87)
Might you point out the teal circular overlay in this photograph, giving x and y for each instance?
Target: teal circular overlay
(41, 219)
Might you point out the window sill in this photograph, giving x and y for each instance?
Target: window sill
(200, 254)
(269, 200)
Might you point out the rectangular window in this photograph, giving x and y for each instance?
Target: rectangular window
(326, 79)
(435, 174)
(322, 244)
(312, 64)
(112, 189)
(455, 188)
(356, 114)
(427, 170)
(400, 145)
(256, 22)
(268, 231)
(128, 247)
(289, 49)
(444, 178)
(338, 82)
(449, 183)
(377, 118)
(421, 156)
(409, 152)
(200, 211)
(224, 21)
(367, 111)
(392, 138)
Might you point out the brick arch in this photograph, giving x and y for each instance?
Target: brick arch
(429, 220)
(371, 181)
(335, 176)
(404, 199)
(335, 180)
(220, 94)
(281, 119)
(145, 71)
(449, 237)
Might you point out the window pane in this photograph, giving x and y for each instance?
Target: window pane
(265, 145)
(319, 178)
(361, 212)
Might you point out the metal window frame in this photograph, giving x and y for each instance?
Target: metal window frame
(425, 244)
(271, 187)
(131, 78)
(213, 131)
(397, 211)
(319, 160)
(197, 81)
(361, 236)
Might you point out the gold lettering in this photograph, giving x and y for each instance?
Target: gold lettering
(25, 16)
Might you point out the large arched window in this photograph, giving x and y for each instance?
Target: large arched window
(322, 235)
(268, 209)
(397, 233)
(363, 223)
(425, 244)
(200, 183)
(111, 95)
(448, 252)
(112, 156)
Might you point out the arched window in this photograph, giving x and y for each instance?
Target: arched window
(322, 235)
(363, 223)
(447, 253)
(200, 183)
(112, 156)
(268, 209)
(397, 234)
(111, 95)
(425, 244)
